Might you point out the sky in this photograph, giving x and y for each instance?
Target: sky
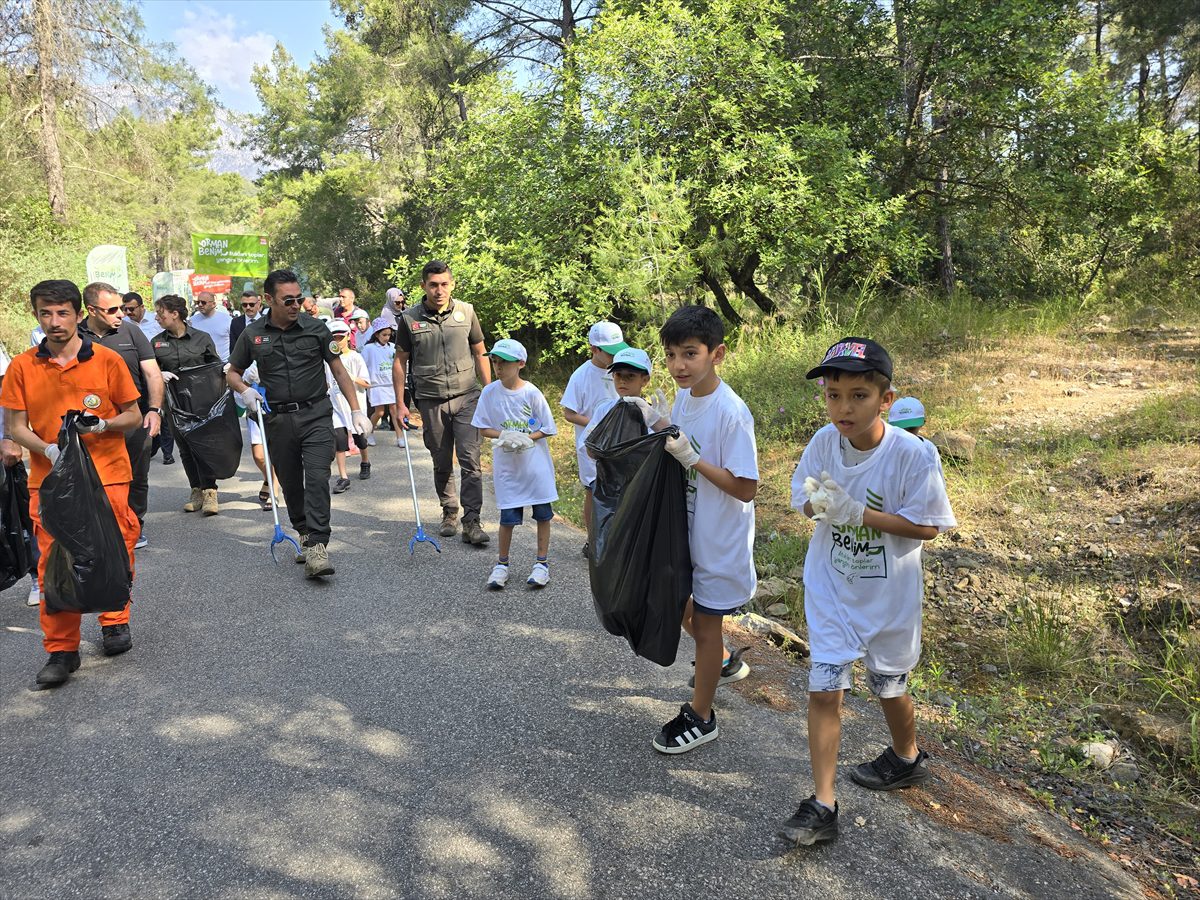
(224, 39)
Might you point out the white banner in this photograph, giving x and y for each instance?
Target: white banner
(107, 263)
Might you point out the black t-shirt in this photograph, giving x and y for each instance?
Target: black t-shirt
(192, 348)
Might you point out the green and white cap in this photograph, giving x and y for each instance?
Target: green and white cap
(633, 358)
(907, 412)
(509, 351)
(607, 336)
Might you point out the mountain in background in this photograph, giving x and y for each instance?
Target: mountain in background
(230, 155)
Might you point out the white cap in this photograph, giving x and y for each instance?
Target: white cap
(631, 356)
(337, 326)
(607, 336)
(509, 350)
(359, 313)
(907, 412)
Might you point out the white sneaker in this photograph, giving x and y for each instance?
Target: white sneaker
(370, 440)
(400, 442)
(141, 541)
(499, 577)
(35, 596)
(540, 576)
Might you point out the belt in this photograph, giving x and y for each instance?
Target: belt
(293, 407)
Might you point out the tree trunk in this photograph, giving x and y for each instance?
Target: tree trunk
(52, 167)
(909, 82)
(1142, 86)
(743, 279)
(718, 289)
(1099, 30)
(945, 265)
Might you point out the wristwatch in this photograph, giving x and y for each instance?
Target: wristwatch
(156, 409)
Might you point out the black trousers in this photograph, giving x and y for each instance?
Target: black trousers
(165, 440)
(138, 445)
(197, 475)
(301, 448)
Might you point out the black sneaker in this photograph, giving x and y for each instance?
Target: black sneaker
(117, 639)
(586, 551)
(811, 823)
(341, 486)
(58, 668)
(168, 460)
(733, 670)
(364, 471)
(888, 771)
(686, 732)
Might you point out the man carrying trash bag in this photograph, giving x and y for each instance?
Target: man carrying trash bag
(67, 371)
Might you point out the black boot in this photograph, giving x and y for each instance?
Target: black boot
(58, 668)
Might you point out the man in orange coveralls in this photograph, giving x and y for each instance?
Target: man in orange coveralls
(67, 371)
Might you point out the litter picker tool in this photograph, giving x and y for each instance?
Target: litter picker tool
(420, 537)
(279, 537)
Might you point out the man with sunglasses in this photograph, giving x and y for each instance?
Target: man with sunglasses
(291, 351)
(214, 320)
(134, 308)
(252, 308)
(105, 325)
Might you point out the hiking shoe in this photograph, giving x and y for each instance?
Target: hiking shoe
(35, 596)
(888, 772)
(141, 541)
(316, 561)
(117, 639)
(195, 501)
(811, 823)
(58, 668)
(686, 732)
(209, 505)
(586, 551)
(473, 534)
(449, 525)
(341, 486)
(733, 670)
(168, 460)
(540, 576)
(301, 556)
(364, 471)
(499, 577)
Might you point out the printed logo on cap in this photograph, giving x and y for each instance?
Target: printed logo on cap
(847, 350)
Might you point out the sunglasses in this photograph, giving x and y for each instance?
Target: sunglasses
(108, 311)
(246, 303)
(131, 309)
(291, 301)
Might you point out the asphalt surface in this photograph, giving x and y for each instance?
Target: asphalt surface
(398, 731)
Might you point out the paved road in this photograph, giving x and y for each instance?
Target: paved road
(400, 732)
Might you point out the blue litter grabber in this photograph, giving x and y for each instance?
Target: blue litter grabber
(420, 537)
(279, 537)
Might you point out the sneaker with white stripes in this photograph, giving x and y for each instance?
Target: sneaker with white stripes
(686, 732)
(540, 576)
(499, 577)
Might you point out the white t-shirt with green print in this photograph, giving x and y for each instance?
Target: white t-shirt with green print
(525, 478)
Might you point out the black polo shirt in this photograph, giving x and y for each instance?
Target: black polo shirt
(192, 348)
(291, 362)
(128, 342)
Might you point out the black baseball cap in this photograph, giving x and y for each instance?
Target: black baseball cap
(854, 354)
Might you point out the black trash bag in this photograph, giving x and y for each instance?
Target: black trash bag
(640, 564)
(204, 416)
(87, 568)
(16, 527)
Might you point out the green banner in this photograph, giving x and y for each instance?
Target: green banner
(238, 255)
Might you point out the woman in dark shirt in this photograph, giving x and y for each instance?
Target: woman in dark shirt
(181, 347)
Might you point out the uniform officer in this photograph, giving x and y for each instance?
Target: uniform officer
(291, 351)
(106, 325)
(445, 343)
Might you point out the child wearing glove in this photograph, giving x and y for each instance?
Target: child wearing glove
(515, 415)
(630, 371)
(876, 494)
(716, 446)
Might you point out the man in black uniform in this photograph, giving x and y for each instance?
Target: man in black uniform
(444, 341)
(291, 351)
(106, 326)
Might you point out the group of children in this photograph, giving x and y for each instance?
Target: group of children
(874, 489)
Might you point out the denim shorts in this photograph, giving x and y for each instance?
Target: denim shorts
(824, 677)
(542, 512)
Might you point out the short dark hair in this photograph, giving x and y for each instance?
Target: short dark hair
(92, 292)
(697, 322)
(133, 296)
(249, 292)
(278, 277)
(433, 267)
(173, 303)
(871, 376)
(56, 291)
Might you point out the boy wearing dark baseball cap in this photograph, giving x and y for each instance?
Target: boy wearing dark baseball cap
(875, 494)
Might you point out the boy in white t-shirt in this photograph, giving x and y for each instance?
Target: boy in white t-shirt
(717, 448)
(517, 417)
(876, 494)
(589, 386)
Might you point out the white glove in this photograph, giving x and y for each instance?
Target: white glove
(225, 369)
(818, 497)
(251, 399)
(169, 376)
(649, 414)
(360, 421)
(52, 453)
(840, 508)
(101, 425)
(660, 405)
(513, 442)
(681, 448)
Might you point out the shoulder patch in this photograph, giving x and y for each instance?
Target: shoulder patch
(333, 347)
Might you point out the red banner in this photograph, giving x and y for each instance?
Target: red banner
(218, 284)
